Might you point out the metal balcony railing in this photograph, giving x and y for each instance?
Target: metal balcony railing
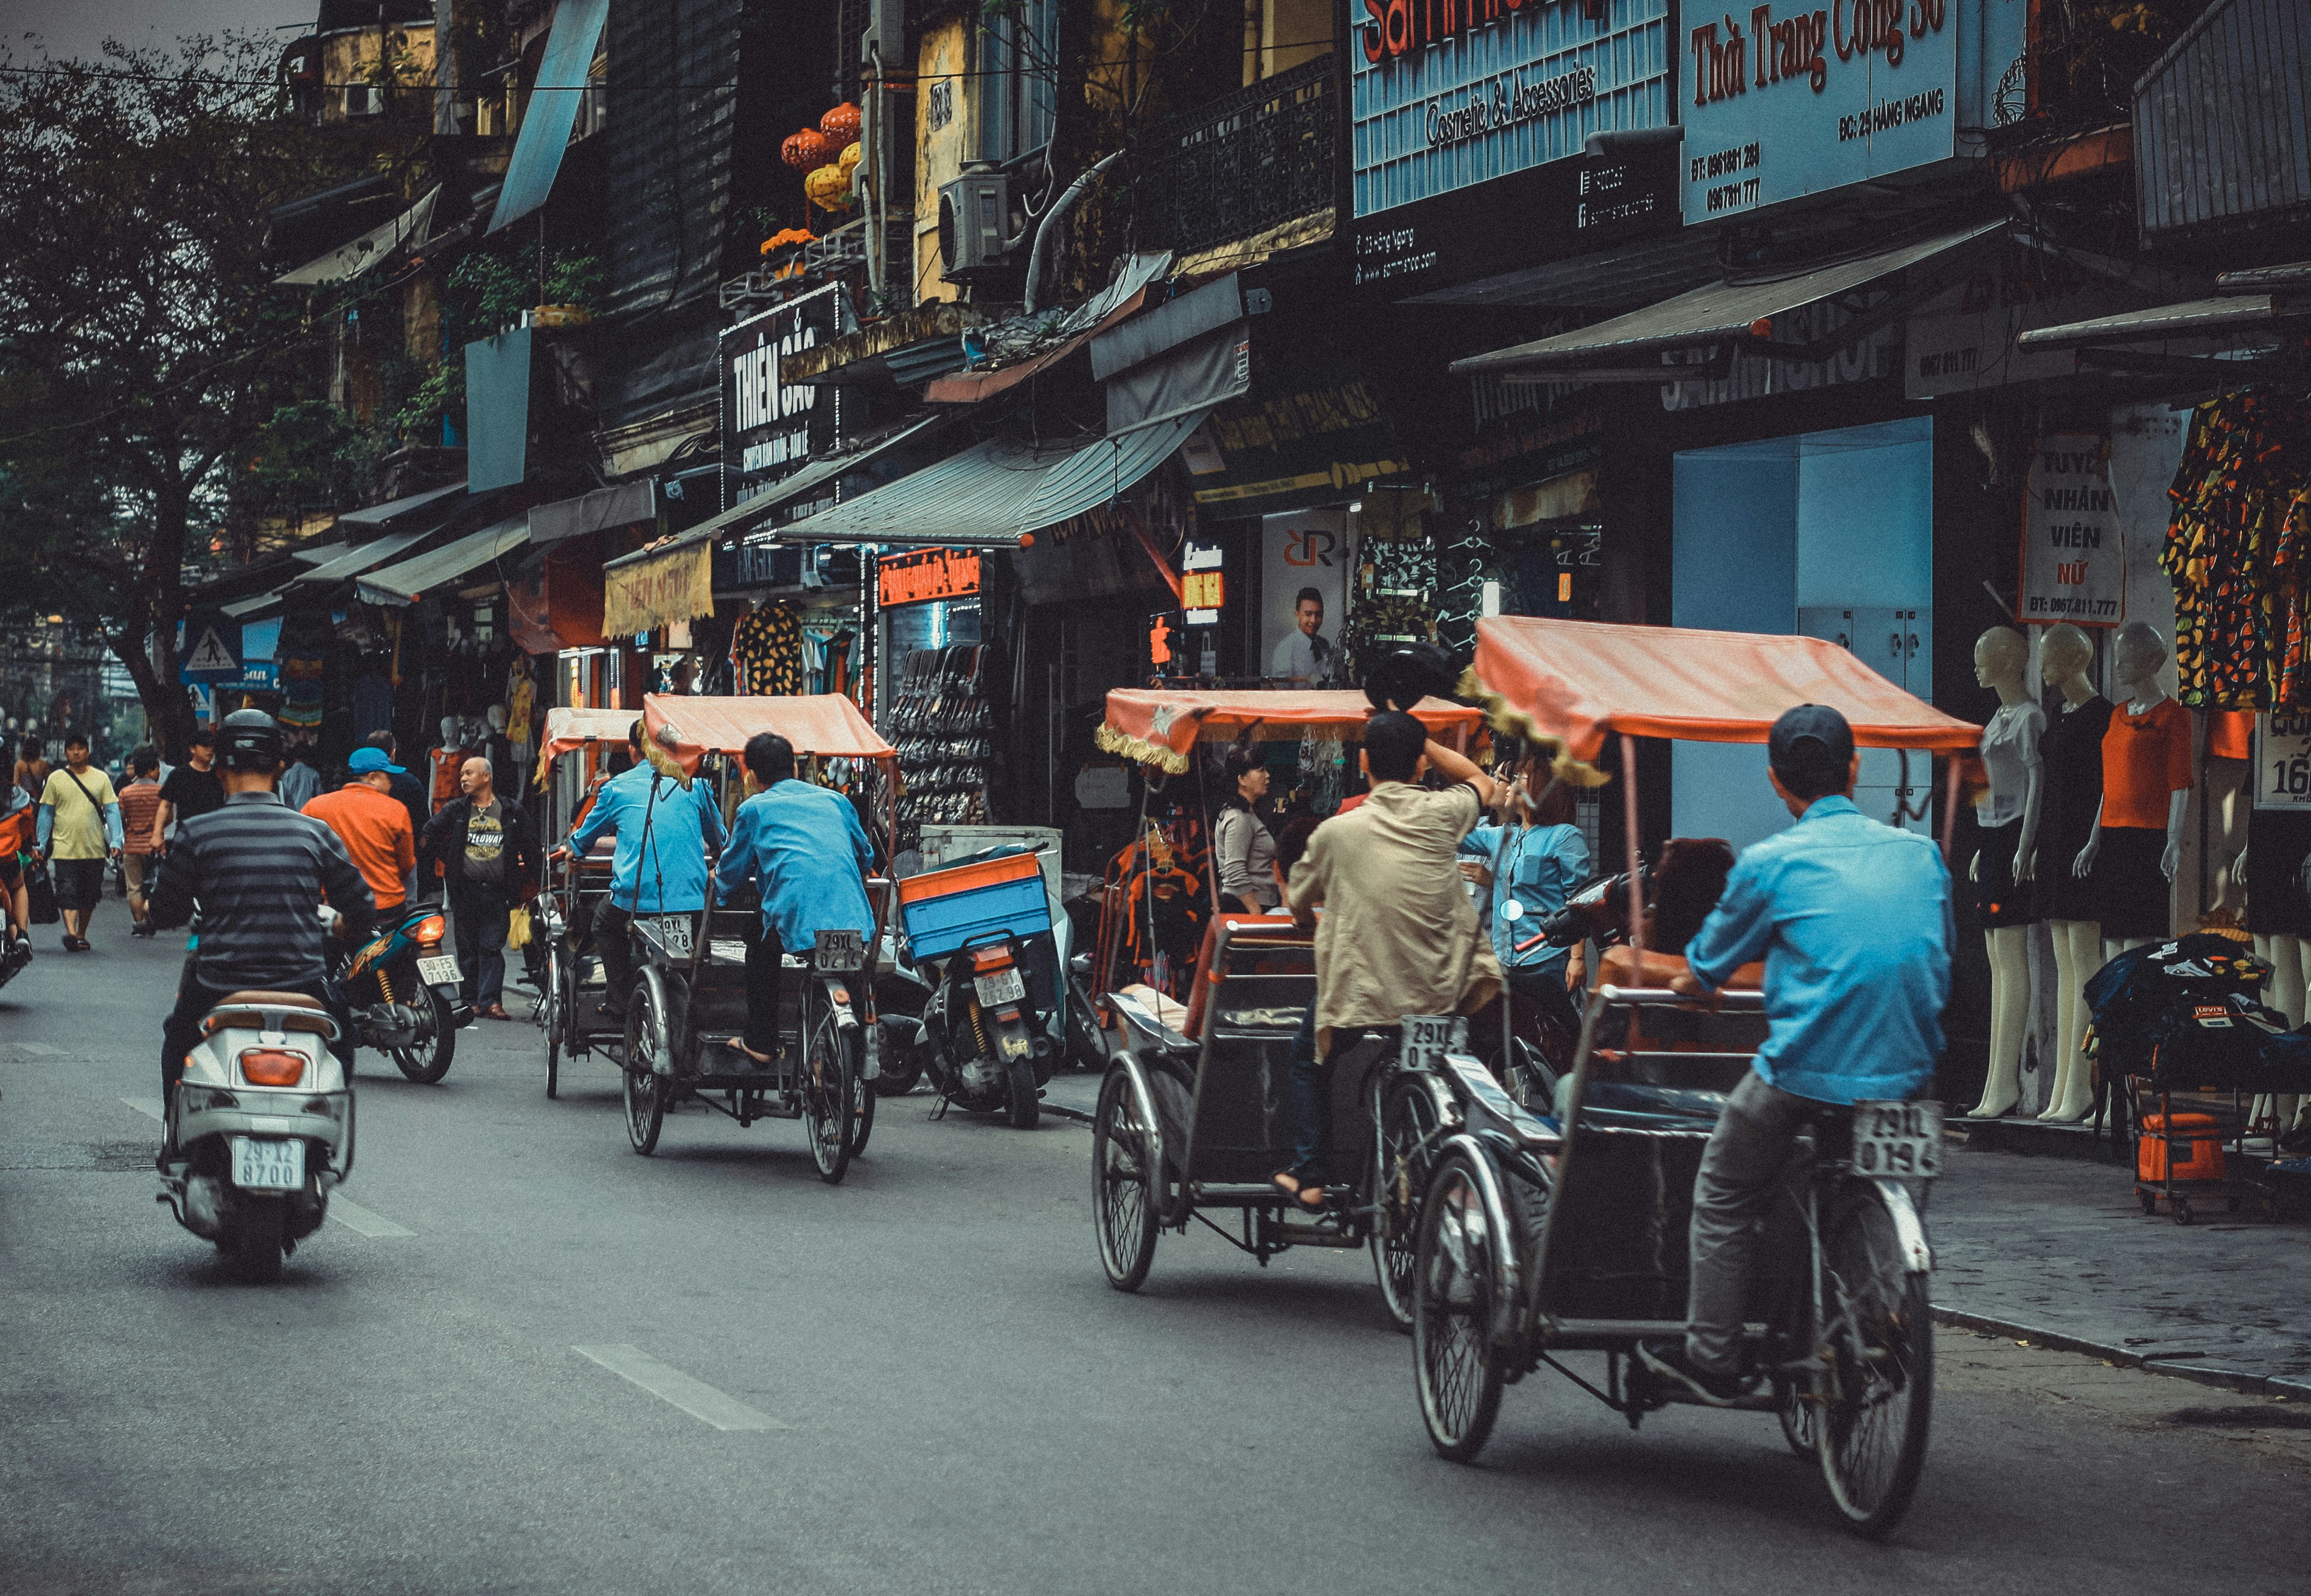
(1240, 163)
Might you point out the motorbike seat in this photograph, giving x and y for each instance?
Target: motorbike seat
(273, 1000)
(310, 1014)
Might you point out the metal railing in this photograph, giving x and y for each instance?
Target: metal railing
(1240, 164)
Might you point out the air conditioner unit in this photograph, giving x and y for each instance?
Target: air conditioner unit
(975, 215)
(362, 100)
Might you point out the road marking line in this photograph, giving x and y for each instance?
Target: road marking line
(355, 1218)
(40, 1050)
(343, 1209)
(694, 1397)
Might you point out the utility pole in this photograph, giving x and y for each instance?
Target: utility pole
(445, 67)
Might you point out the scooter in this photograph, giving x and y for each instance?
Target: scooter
(262, 1125)
(405, 995)
(982, 1042)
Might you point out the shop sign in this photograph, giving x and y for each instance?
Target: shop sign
(1780, 102)
(1964, 339)
(926, 574)
(1203, 587)
(2282, 760)
(2073, 548)
(1867, 359)
(772, 429)
(1470, 117)
(675, 586)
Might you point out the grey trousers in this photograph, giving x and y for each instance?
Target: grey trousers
(1739, 1171)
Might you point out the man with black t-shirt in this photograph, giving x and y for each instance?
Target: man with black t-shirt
(192, 788)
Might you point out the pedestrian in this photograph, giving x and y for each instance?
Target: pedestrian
(1242, 843)
(140, 858)
(192, 788)
(1528, 864)
(301, 783)
(374, 829)
(488, 852)
(18, 816)
(79, 828)
(31, 772)
(407, 790)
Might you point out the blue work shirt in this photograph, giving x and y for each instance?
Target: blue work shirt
(806, 854)
(1537, 865)
(682, 824)
(1853, 921)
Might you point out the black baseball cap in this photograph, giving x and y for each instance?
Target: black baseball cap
(1810, 736)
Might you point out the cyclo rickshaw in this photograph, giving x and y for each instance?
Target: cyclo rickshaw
(1192, 1115)
(1544, 1235)
(570, 986)
(690, 992)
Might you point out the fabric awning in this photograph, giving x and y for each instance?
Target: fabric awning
(995, 493)
(408, 581)
(551, 109)
(826, 724)
(1162, 726)
(1740, 311)
(393, 510)
(348, 261)
(619, 506)
(569, 726)
(1579, 680)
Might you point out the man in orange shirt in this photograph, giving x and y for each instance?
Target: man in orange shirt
(374, 827)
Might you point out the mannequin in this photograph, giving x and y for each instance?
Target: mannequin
(2001, 866)
(2072, 755)
(2146, 768)
(2278, 914)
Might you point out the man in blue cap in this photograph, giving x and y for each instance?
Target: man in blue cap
(664, 829)
(373, 828)
(1852, 920)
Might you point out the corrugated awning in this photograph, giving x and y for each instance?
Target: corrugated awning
(619, 506)
(551, 109)
(2227, 314)
(994, 493)
(347, 261)
(408, 581)
(1731, 312)
(393, 510)
(352, 562)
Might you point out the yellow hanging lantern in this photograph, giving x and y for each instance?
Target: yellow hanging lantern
(828, 187)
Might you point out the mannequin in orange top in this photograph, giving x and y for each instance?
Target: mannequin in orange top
(2137, 841)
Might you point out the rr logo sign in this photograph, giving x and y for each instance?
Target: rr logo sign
(1310, 547)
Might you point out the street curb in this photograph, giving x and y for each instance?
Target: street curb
(2237, 1380)
(1076, 1114)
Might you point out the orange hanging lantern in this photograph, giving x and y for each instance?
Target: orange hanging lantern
(840, 124)
(808, 150)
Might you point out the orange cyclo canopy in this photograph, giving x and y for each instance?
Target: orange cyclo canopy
(569, 727)
(826, 724)
(1158, 726)
(1579, 680)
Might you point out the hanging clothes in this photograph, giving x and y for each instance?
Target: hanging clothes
(766, 649)
(2242, 582)
(520, 698)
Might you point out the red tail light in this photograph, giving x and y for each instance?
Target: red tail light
(983, 959)
(428, 929)
(272, 1066)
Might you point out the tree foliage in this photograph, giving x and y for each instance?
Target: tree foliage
(143, 350)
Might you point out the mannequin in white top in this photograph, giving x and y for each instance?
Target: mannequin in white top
(2064, 656)
(2001, 866)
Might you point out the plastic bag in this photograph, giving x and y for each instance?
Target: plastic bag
(517, 928)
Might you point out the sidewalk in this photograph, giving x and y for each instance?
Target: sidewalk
(2058, 1246)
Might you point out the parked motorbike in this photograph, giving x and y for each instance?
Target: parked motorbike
(982, 1042)
(15, 958)
(405, 993)
(263, 1126)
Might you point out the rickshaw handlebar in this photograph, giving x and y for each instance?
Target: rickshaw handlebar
(1732, 1002)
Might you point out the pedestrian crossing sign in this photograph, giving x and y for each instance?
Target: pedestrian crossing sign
(212, 651)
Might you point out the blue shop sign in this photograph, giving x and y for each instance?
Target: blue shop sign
(1783, 100)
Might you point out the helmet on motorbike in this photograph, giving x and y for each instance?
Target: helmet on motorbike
(249, 741)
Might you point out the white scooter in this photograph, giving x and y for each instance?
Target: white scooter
(263, 1123)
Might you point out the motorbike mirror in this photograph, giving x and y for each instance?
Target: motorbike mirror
(1511, 910)
(1080, 964)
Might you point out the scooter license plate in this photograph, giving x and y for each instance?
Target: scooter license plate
(437, 969)
(1005, 986)
(1897, 1141)
(260, 1163)
(839, 952)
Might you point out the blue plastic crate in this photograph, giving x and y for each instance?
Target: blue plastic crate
(937, 927)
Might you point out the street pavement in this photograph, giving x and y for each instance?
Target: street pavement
(532, 1362)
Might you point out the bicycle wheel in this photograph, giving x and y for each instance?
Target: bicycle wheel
(645, 1089)
(826, 1072)
(553, 1011)
(1408, 1119)
(862, 1111)
(1878, 1343)
(1455, 1363)
(1125, 1153)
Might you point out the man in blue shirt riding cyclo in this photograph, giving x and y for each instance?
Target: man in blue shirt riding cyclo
(665, 830)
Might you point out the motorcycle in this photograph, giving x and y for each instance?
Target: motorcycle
(406, 994)
(262, 1123)
(980, 1039)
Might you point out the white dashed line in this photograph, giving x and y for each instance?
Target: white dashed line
(149, 1107)
(40, 1050)
(699, 1400)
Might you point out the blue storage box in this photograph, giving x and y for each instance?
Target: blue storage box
(942, 910)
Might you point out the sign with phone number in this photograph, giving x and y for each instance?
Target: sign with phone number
(2282, 761)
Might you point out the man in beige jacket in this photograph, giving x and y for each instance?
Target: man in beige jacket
(1399, 934)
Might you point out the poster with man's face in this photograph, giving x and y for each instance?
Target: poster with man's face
(1304, 597)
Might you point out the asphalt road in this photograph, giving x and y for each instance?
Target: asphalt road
(945, 1395)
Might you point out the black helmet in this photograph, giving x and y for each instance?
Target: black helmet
(249, 741)
(1409, 673)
